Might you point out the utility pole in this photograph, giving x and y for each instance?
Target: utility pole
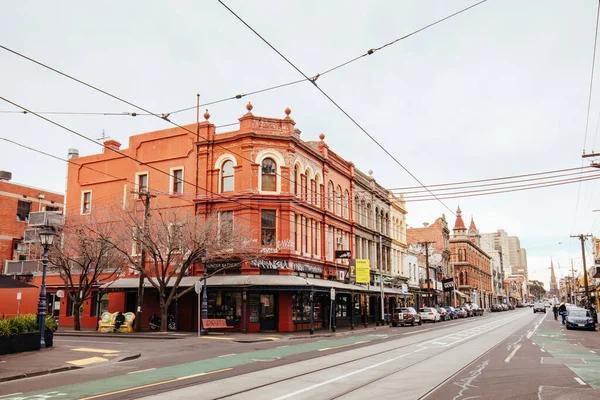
(582, 238)
(145, 196)
(381, 279)
(426, 244)
(572, 286)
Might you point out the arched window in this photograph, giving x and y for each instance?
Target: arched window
(338, 201)
(330, 196)
(376, 219)
(346, 204)
(387, 224)
(268, 175)
(306, 192)
(227, 176)
(368, 216)
(356, 209)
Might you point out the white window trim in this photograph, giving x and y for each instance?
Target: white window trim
(137, 183)
(279, 161)
(219, 166)
(172, 179)
(83, 193)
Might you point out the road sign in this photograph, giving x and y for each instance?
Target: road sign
(332, 293)
(60, 294)
(198, 286)
(18, 295)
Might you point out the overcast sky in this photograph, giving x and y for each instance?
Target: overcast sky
(499, 90)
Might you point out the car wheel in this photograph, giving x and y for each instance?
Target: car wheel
(420, 322)
(568, 327)
(394, 324)
(412, 323)
(434, 320)
(401, 324)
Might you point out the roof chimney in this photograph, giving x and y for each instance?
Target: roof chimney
(425, 224)
(112, 144)
(5, 176)
(73, 153)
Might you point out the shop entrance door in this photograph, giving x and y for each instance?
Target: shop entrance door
(268, 312)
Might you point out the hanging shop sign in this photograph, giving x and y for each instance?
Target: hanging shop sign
(404, 288)
(216, 266)
(269, 264)
(343, 254)
(363, 271)
(448, 284)
(309, 268)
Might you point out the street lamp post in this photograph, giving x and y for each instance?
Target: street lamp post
(46, 240)
(203, 331)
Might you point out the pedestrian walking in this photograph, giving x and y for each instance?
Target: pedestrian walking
(555, 308)
(562, 309)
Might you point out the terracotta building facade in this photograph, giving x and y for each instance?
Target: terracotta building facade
(472, 265)
(297, 195)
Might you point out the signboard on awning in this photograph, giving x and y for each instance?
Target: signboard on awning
(448, 284)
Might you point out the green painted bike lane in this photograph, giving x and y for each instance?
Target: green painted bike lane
(554, 343)
(172, 373)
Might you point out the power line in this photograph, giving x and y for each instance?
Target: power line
(489, 179)
(314, 78)
(587, 118)
(334, 102)
(536, 186)
(118, 114)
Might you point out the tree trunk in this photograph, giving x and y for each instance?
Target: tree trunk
(164, 315)
(76, 317)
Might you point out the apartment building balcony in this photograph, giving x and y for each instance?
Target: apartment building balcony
(25, 267)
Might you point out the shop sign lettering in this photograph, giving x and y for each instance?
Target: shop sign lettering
(311, 269)
(269, 264)
(215, 266)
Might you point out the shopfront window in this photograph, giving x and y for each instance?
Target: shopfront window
(341, 307)
(225, 305)
(301, 308)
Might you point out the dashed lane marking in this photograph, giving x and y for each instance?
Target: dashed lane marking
(512, 354)
(581, 382)
(90, 350)
(227, 355)
(87, 361)
(12, 394)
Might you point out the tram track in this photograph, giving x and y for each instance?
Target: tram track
(494, 324)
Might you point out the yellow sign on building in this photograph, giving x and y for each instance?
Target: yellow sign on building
(363, 271)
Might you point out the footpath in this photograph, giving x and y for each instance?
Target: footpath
(60, 358)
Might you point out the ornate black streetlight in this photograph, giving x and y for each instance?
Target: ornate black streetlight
(204, 317)
(46, 240)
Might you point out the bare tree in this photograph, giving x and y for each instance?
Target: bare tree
(174, 240)
(84, 256)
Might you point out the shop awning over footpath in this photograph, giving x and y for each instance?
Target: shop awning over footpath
(461, 294)
(257, 282)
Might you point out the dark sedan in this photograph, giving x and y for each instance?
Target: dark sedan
(406, 316)
(580, 318)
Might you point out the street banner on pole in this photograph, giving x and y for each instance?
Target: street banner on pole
(363, 271)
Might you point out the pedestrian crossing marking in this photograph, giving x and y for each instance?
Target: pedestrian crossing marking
(87, 361)
(90, 350)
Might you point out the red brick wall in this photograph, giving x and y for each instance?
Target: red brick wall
(9, 303)
(10, 228)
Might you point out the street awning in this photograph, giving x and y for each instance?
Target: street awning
(270, 281)
(461, 294)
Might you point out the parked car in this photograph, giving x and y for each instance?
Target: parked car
(461, 312)
(451, 312)
(429, 314)
(580, 318)
(511, 306)
(406, 315)
(497, 307)
(444, 316)
(476, 309)
(539, 306)
(469, 310)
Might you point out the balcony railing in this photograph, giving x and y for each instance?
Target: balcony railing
(25, 267)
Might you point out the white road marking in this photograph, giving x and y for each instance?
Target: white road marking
(580, 381)
(306, 389)
(543, 350)
(592, 351)
(142, 370)
(282, 347)
(413, 332)
(512, 354)
(85, 341)
(530, 334)
(13, 394)
(227, 355)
